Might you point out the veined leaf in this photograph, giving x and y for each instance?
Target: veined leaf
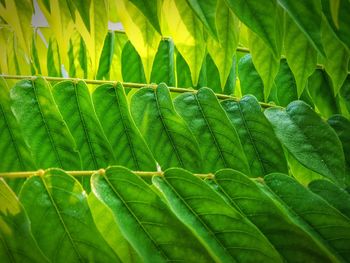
(309, 139)
(265, 62)
(335, 196)
(291, 241)
(70, 235)
(320, 90)
(18, 14)
(206, 12)
(342, 29)
(145, 221)
(250, 80)
(15, 154)
(300, 54)
(336, 63)
(261, 17)
(187, 32)
(163, 69)
(168, 136)
(308, 17)
(132, 69)
(111, 232)
(139, 30)
(129, 147)
(44, 130)
(149, 9)
(285, 89)
(218, 140)
(223, 50)
(17, 242)
(262, 149)
(332, 226)
(226, 234)
(75, 104)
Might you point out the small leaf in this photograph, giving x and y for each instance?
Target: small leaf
(227, 235)
(168, 136)
(261, 147)
(132, 69)
(61, 220)
(18, 243)
(42, 125)
(218, 140)
(144, 219)
(309, 139)
(106, 57)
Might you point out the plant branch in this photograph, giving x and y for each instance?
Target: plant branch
(41, 172)
(128, 85)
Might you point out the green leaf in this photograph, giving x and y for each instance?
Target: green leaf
(129, 147)
(53, 59)
(320, 90)
(132, 69)
(83, 7)
(163, 69)
(166, 133)
(188, 34)
(150, 10)
(265, 62)
(218, 140)
(341, 126)
(206, 12)
(300, 54)
(285, 90)
(61, 219)
(111, 232)
(212, 75)
(75, 104)
(309, 139)
(342, 29)
(16, 155)
(17, 242)
(106, 57)
(116, 69)
(183, 73)
(42, 125)
(332, 226)
(226, 233)
(335, 196)
(250, 80)
(145, 221)
(345, 92)
(77, 57)
(223, 49)
(260, 17)
(336, 63)
(308, 17)
(261, 147)
(291, 240)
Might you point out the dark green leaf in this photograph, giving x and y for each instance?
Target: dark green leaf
(132, 69)
(168, 136)
(106, 57)
(261, 147)
(129, 147)
(332, 226)
(145, 221)
(227, 235)
(309, 139)
(183, 73)
(43, 128)
(292, 241)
